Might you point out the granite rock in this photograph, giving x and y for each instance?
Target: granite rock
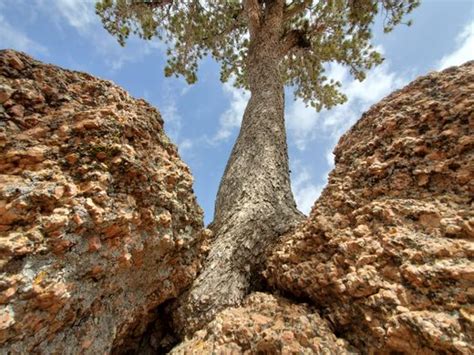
(387, 251)
(265, 324)
(98, 220)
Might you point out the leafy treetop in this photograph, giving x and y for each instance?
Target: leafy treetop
(311, 33)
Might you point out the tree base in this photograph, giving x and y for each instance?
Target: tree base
(232, 269)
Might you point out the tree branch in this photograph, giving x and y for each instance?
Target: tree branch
(238, 21)
(274, 9)
(295, 8)
(254, 15)
(294, 39)
(152, 3)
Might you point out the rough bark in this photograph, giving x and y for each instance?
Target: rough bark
(254, 204)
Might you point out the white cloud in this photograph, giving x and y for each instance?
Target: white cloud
(79, 13)
(361, 95)
(185, 145)
(464, 49)
(305, 124)
(11, 37)
(173, 126)
(329, 158)
(305, 191)
(232, 117)
(173, 120)
(301, 122)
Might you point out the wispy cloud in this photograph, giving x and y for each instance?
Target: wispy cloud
(185, 146)
(231, 119)
(305, 124)
(12, 37)
(168, 103)
(464, 48)
(80, 15)
(173, 120)
(304, 189)
(174, 125)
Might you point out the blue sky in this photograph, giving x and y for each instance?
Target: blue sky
(203, 119)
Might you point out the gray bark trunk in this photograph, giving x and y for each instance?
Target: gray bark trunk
(254, 203)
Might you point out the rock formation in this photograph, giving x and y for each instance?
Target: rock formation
(386, 253)
(99, 226)
(98, 221)
(266, 324)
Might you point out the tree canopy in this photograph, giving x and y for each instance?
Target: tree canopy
(311, 33)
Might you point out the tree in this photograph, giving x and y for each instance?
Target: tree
(262, 45)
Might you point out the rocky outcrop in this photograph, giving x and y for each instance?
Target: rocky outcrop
(265, 324)
(99, 226)
(387, 252)
(98, 221)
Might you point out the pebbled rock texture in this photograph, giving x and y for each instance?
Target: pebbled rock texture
(387, 252)
(98, 220)
(265, 324)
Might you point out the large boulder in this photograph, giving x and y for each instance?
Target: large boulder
(387, 252)
(98, 221)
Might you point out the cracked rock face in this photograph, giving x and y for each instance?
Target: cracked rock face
(387, 252)
(98, 221)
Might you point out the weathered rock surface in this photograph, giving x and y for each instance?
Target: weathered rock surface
(98, 221)
(387, 252)
(265, 324)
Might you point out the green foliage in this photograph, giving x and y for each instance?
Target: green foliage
(329, 31)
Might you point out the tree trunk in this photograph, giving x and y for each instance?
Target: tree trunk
(254, 203)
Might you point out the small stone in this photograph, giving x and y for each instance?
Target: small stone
(60, 245)
(377, 168)
(59, 192)
(94, 244)
(96, 270)
(125, 259)
(436, 155)
(101, 155)
(6, 317)
(72, 158)
(17, 111)
(7, 294)
(86, 344)
(179, 243)
(100, 197)
(113, 231)
(430, 220)
(87, 125)
(362, 230)
(5, 93)
(55, 221)
(77, 219)
(164, 219)
(287, 336)
(15, 62)
(260, 319)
